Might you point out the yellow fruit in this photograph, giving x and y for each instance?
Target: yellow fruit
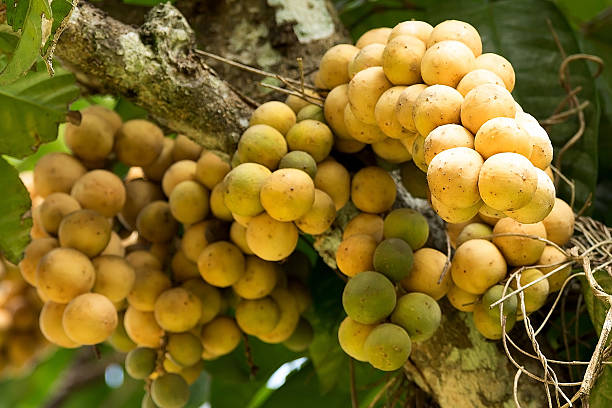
(143, 259)
(312, 137)
(453, 177)
(89, 318)
(541, 203)
(435, 106)
(478, 77)
(138, 193)
(405, 106)
(446, 63)
(185, 149)
(177, 172)
(275, 114)
(477, 265)
(373, 36)
(369, 56)
(221, 264)
(51, 325)
(419, 29)
(257, 316)
(500, 135)
(101, 191)
(210, 298)
(454, 214)
(360, 131)
(507, 181)
(54, 208)
(499, 65)
(259, 279)
(56, 173)
(462, 300)
(352, 336)
(552, 256)
(211, 167)
(427, 268)
(364, 223)
(183, 268)
(458, 31)
(177, 310)
(217, 203)
(142, 328)
(64, 273)
(289, 317)
(263, 144)
(348, 145)
(333, 68)
(115, 277)
(148, 285)
(287, 194)
(270, 239)
(486, 102)
(401, 60)
(138, 142)
(35, 250)
(155, 222)
(446, 137)
(373, 190)
(157, 168)
(384, 112)
(320, 216)
(535, 295)
(238, 237)
(334, 179)
(92, 139)
(364, 90)
(542, 153)
(355, 253)
(86, 231)
(559, 223)
(189, 202)
(519, 250)
(221, 336)
(242, 188)
(335, 103)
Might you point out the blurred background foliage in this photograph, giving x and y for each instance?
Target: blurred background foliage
(520, 30)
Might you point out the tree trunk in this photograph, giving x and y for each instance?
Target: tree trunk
(156, 67)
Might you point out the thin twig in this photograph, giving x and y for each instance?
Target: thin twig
(354, 400)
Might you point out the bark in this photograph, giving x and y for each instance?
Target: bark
(155, 66)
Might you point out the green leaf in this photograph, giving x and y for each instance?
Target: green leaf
(33, 28)
(31, 110)
(14, 226)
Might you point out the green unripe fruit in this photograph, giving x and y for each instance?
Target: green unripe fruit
(492, 295)
(300, 160)
(147, 402)
(388, 347)
(301, 337)
(393, 258)
(170, 391)
(185, 349)
(475, 230)
(140, 362)
(414, 180)
(419, 314)
(369, 297)
(257, 316)
(407, 224)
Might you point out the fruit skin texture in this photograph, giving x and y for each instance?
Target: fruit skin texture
(500, 135)
(89, 318)
(155, 222)
(498, 65)
(259, 279)
(211, 167)
(189, 202)
(408, 225)
(559, 223)
(333, 68)
(418, 314)
(221, 336)
(86, 231)
(364, 90)
(320, 216)
(364, 223)
(453, 177)
(461, 300)
(92, 139)
(221, 264)
(148, 285)
(373, 190)
(454, 215)
(446, 137)
(401, 60)
(552, 255)
(355, 253)
(142, 328)
(140, 362)
(209, 296)
(289, 317)
(369, 297)
(262, 144)
(50, 321)
(486, 101)
(541, 203)
(374, 36)
(185, 349)
(138, 142)
(542, 153)
(387, 347)
(55, 207)
(257, 316)
(101, 191)
(177, 310)
(64, 273)
(369, 56)
(393, 258)
(242, 187)
(384, 112)
(478, 77)
(419, 29)
(180, 171)
(56, 173)
(427, 268)
(489, 326)
(274, 114)
(115, 277)
(458, 31)
(335, 180)
(36, 249)
(495, 293)
(435, 106)
(170, 391)
(507, 181)
(270, 239)
(298, 159)
(287, 194)
(518, 250)
(333, 109)
(477, 265)
(446, 63)
(352, 336)
(301, 338)
(474, 230)
(535, 296)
